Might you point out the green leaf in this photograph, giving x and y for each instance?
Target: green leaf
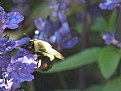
(83, 58)
(79, 27)
(100, 25)
(44, 11)
(112, 21)
(108, 61)
(68, 90)
(94, 88)
(114, 85)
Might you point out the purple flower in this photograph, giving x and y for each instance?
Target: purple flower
(108, 37)
(39, 23)
(6, 45)
(62, 17)
(59, 8)
(18, 67)
(110, 4)
(9, 20)
(69, 43)
(12, 19)
(22, 41)
(54, 32)
(22, 68)
(4, 61)
(6, 83)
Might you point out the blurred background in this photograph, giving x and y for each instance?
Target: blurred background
(89, 64)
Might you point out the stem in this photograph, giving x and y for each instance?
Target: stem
(62, 81)
(30, 86)
(118, 26)
(85, 39)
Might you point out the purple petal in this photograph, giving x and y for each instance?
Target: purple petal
(58, 37)
(108, 37)
(62, 17)
(39, 23)
(22, 41)
(15, 17)
(71, 42)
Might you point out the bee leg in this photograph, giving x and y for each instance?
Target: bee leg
(47, 66)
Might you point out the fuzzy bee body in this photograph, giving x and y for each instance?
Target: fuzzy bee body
(44, 52)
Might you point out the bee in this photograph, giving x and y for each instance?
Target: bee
(44, 52)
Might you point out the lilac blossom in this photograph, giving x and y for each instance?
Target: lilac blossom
(110, 39)
(22, 41)
(6, 45)
(110, 4)
(6, 82)
(18, 67)
(4, 61)
(22, 68)
(56, 32)
(60, 6)
(58, 10)
(9, 20)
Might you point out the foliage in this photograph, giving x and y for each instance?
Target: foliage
(82, 30)
(85, 57)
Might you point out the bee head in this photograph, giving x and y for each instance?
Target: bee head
(29, 47)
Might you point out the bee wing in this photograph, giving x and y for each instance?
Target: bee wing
(52, 52)
(57, 54)
(46, 49)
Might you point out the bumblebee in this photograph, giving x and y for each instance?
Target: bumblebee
(44, 52)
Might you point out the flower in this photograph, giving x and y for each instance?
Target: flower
(6, 83)
(110, 4)
(21, 69)
(22, 41)
(109, 38)
(6, 45)
(55, 32)
(4, 61)
(18, 71)
(9, 20)
(59, 8)
(12, 19)
(69, 43)
(17, 67)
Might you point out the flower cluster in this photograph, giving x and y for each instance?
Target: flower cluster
(110, 4)
(56, 31)
(17, 65)
(15, 68)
